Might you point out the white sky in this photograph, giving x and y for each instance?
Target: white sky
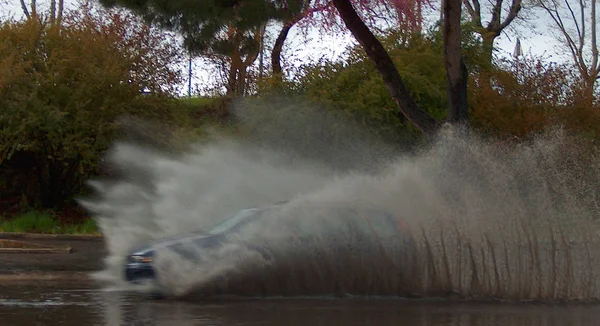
(537, 38)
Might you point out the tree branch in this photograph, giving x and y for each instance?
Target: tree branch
(25, 10)
(474, 11)
(494, 23)
(515, 8)
(595, 64)
(386, 68)
(571, 44)
(580, 31)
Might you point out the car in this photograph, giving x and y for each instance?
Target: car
(139, 265)
(308, 225)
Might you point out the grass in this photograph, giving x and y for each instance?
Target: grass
(47, 223)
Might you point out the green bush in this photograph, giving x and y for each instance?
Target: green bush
(31, 221)
(45, 222)
(62, 89)
(353, 86)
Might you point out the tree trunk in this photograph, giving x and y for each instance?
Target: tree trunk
(61, 8)
(52, 11)
(456, 71)
(25, 10)
(277, 49)
(232, 79)
(488, 39)
(250, 59)
(386, 68)
(34, 8)
(241, 82)
(588, 92)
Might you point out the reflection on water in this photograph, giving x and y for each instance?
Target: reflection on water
(35, 305)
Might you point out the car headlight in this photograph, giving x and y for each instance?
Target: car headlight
(140, 259)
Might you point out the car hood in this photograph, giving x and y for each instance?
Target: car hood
(160, 243)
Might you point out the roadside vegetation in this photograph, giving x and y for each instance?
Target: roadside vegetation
(46, 222)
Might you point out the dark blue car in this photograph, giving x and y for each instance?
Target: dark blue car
(139, 266)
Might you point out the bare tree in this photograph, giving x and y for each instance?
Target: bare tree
(56, 9)
(502, 14)
(571, 18)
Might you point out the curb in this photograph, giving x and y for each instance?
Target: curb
(44, 276)
(15, 235)
(66, 250)
(23, 247)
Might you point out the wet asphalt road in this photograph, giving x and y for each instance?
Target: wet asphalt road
(86, 255)
(65, 304)
(69, 301)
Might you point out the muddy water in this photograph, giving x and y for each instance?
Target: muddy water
(59, 304)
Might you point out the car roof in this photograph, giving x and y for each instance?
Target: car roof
(170, 240)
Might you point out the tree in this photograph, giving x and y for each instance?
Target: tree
(234, 29)
(62, 89)
(496, 24)
(385, 66)
(354, 86)
(202, 23)
(292, 12)
(455, 67)
(572, 19)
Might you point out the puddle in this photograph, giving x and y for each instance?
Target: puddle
(66, 304)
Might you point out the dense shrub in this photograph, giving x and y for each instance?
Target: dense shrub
(354, 87)
(62, 88)
(528, 96)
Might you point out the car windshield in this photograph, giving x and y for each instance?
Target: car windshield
(234, 220)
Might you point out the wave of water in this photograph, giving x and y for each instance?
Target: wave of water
(491, 219)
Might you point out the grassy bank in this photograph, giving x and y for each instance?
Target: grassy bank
(47, 223)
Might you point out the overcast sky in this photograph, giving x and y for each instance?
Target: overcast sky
(536, 37)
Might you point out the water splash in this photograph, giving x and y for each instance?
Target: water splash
(510, 221)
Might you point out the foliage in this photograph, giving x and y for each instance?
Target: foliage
(233, 32)
(197, 116)
(207, 26)
(230, 30)
(406, 13)
(45, 222)
(522, 99)
(530, 95)
(353, 86)
(61, 90)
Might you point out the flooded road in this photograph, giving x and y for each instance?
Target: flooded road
(58, 304)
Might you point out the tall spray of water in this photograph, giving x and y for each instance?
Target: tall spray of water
(489, 219)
